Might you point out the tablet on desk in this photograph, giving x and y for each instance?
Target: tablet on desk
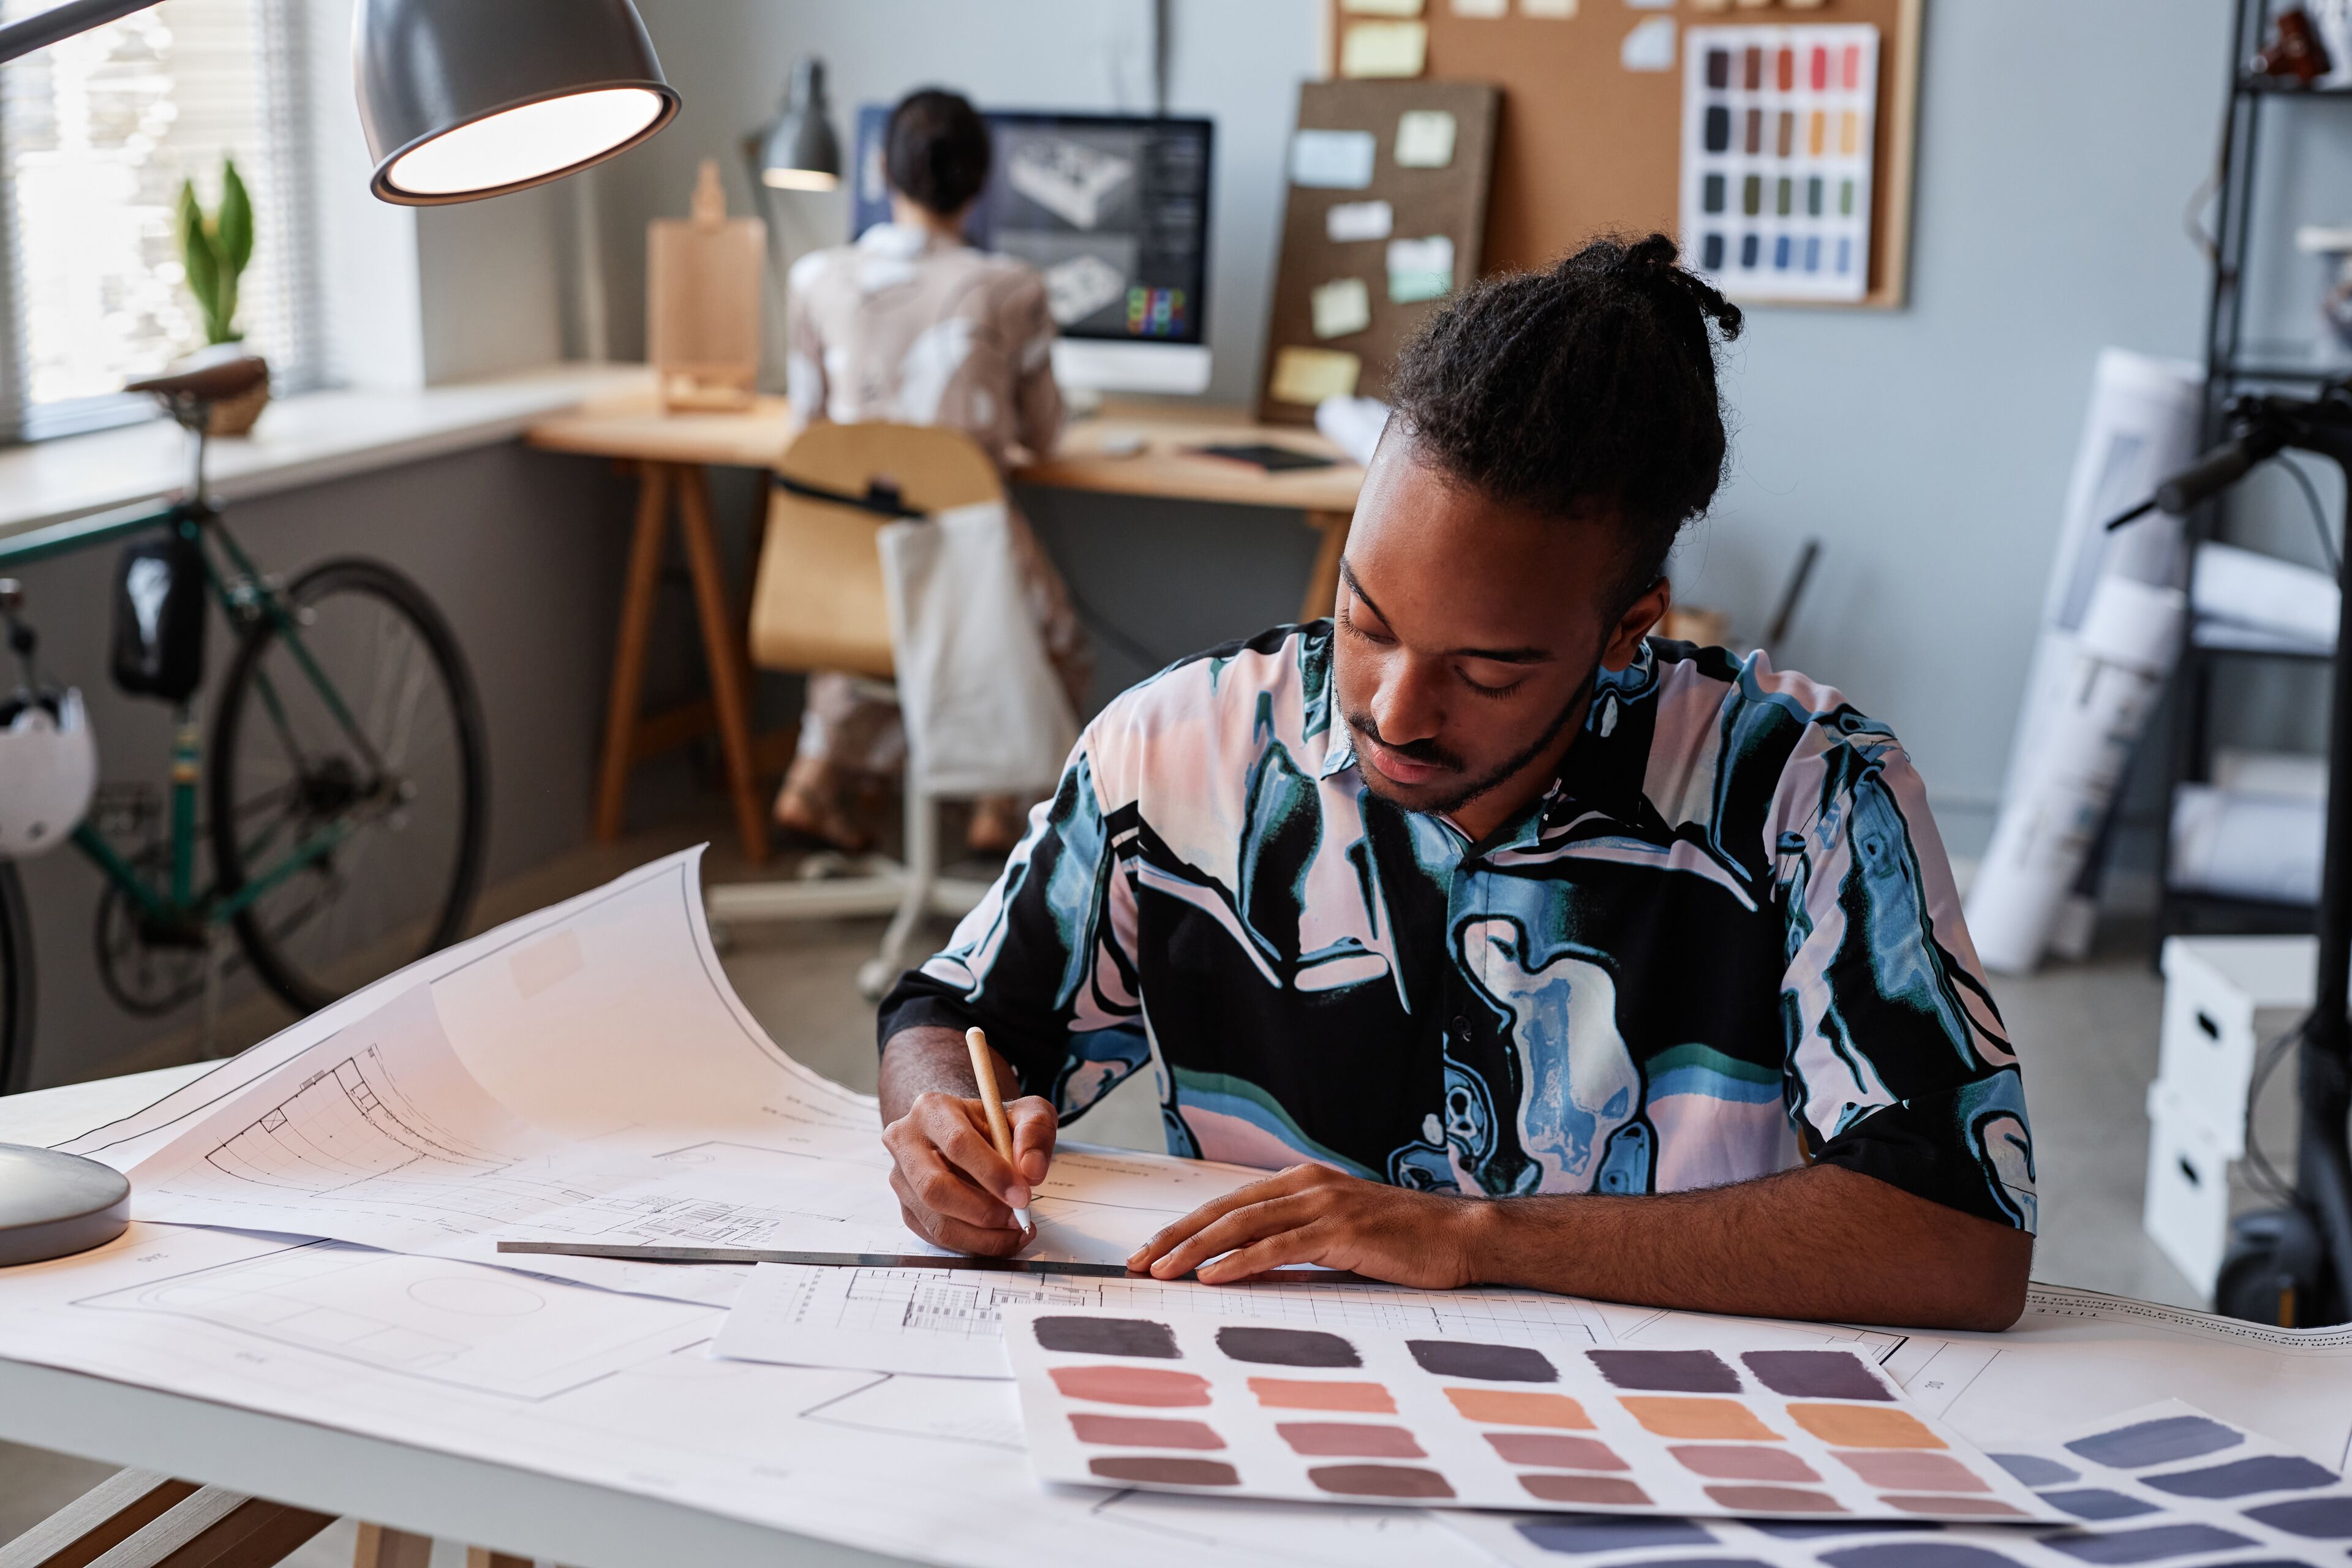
(1264, 455)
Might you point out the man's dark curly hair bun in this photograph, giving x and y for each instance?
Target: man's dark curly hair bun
(936, 151)
(1585, 390)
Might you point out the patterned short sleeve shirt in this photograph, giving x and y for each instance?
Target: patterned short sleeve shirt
(1725, 941)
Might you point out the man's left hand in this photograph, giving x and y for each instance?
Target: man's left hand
(1313, 1213)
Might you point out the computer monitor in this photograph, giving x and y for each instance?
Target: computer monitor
(1113, 210)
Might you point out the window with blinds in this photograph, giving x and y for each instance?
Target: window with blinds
(96, 135)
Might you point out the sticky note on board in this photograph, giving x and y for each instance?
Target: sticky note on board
(1384, 49)
(1483, 8)
(1309, 375)
(1424, 138)
(1552, 10)
(1349, 221)
(1420, 268)
(1380, 8)
(1649, 46)
(1339, 307)
(1333, 160)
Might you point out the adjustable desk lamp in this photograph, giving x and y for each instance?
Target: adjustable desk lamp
(460, 100)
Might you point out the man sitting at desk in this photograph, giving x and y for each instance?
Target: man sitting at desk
(1539, 952)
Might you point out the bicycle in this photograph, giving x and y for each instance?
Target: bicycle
(342, 804)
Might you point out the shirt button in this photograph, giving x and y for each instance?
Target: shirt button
(1461, 1027)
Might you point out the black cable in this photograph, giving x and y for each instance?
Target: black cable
(2260, 1172)
(2318, 516)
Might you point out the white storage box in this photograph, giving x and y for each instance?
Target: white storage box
(2187, 1212)
(2225, 998)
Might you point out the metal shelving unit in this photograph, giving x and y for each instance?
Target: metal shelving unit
(2233, 364)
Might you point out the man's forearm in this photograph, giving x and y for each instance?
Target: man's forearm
(1822, 1243)
(924, 1060)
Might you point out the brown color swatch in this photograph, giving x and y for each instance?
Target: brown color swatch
(1671, 1417)
(1551, 1450)
(1349, 1439)
(1774, 1500)
(1739, 1462)
(1380, 1480)
(1165, 1469)
(1297, 1394)
(1864, 1427)
(1130, 1385)
(1595, 1490)
(1142, 1431)
(1912, 1470)
(1509, 1407)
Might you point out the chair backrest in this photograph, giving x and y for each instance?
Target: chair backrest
(817, 602)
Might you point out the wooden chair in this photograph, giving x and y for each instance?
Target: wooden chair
(818, 604)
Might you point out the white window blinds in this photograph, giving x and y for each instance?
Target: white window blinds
(96, 135)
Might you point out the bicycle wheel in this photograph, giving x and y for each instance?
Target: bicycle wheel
(15, 984)
(361, 728)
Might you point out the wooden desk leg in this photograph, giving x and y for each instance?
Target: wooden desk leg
(638, 592)
(724, 653)
(1323, 584)
(382, 1548)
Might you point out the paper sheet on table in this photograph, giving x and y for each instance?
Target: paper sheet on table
(947, 1324)
(2164, 1482)
(595, 1080)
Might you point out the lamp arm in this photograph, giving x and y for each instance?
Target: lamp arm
(46, 27)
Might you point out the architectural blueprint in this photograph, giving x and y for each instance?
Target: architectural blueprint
(944, 1322)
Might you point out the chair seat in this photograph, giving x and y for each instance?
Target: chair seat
(211, 379)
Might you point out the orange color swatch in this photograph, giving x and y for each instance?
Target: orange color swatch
(1676, 1416)
(1863, 1426)
(1297, 1394)
(1509, 1407)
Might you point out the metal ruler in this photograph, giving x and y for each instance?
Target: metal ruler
(902, 1260)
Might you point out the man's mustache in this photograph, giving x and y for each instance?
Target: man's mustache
(1428, 753)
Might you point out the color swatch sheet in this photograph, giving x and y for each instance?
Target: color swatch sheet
(948, 1322)
(1778, 128)
(1175, 1402)
(2164, 1485)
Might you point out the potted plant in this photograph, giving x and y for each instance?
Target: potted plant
(215, 249)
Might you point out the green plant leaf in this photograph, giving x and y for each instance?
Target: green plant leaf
(198, 257)
(234, 227)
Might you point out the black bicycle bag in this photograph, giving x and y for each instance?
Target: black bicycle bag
(158, 619)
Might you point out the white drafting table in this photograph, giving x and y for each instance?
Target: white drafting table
(395, 1484)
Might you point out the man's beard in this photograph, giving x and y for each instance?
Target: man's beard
(1429, 752)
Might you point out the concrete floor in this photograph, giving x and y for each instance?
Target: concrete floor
(2086, 1033)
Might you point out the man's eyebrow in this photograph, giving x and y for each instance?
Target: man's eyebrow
(1494, 655)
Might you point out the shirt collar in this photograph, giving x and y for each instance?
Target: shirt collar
(902, 240)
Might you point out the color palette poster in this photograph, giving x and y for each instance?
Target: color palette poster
(1209, 1405)
(1778, 133)
(2165, 1485)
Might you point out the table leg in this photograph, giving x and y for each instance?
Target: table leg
(724, 652)
(382, 1548)
(1323, 584)
(637, 595)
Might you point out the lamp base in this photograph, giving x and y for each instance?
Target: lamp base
(53, 1205)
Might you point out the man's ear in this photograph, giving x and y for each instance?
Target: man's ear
(1625, 636)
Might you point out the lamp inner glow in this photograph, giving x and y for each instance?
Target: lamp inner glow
(799, 179)
(528, 143)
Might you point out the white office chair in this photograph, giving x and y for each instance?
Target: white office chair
(818, 604)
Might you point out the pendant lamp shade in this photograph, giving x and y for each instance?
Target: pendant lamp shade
(800, 151)
(466, 98)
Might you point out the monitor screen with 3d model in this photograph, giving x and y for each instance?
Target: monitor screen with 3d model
(1113, 210)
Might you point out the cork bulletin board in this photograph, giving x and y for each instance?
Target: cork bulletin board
(1585, 145)
(1386, 216)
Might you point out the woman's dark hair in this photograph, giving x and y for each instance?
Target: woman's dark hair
(1582, 391)
(936, 151)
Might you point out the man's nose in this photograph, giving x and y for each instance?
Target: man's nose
(1408, 706)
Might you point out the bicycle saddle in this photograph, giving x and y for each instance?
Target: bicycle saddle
(209, 377)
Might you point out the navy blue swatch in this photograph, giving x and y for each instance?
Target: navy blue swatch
(2033, 1469)
(2143, 1545)
(2318, 1518)
(1576, 1534)
(2098, 1502)
(1917, 1554)
(1718, 128)
(2243, 1478)
(2155, 1442)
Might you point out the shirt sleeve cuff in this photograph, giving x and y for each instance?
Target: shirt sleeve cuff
(1919, 1146)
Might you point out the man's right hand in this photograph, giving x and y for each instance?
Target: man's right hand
(953, 1186)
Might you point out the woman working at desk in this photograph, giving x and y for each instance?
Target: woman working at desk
(911, 325)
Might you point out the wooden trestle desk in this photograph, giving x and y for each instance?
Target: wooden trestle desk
(670, 455)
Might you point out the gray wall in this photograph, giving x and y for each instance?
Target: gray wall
(522, 552)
